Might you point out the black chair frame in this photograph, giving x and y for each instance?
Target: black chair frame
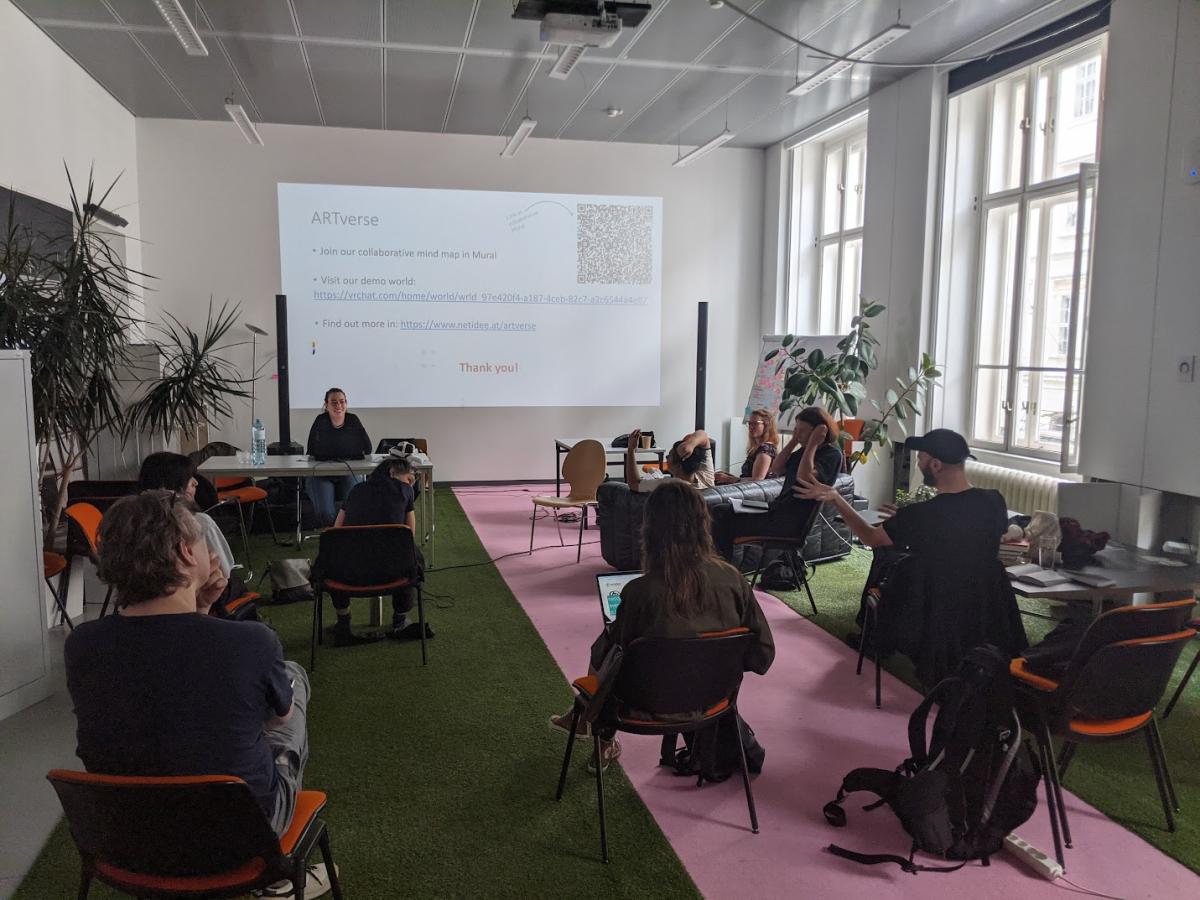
(792, 549)
(660, 669)
(1187, 676)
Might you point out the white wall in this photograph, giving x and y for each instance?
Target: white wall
(210, 223)
(1141, 426)
(55, 114)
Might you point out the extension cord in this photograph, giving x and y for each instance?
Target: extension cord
(1034, 858)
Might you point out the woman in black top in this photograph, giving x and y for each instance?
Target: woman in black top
(761, 449)
(819, 460)
(335, 434)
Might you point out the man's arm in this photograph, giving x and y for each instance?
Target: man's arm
(411, 521)
(277, 721)
(692, 442)
(816, 439)
(872, 535)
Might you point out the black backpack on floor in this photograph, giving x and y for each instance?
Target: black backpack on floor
(959, 797)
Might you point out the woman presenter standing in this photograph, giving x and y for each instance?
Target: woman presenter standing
(335, 434)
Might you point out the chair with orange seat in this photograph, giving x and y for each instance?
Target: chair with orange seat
(187, 836)
(365, 561)
(243, 494)
(662, 686)
(54, 564)
(1113, 681)
(790, 548)
(83, 538)
(585, 468)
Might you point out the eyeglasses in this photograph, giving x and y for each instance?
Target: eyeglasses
(337, 402)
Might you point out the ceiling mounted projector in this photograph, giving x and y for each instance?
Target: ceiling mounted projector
(591, 23)
(580, 31)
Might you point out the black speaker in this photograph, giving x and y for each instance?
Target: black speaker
(281, 357)
(701, 362)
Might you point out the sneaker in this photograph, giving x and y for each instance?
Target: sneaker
(316, 884)
(410, 632)
(562, 725)
(610, 752)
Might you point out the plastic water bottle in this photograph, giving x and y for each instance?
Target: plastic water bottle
(258, 444)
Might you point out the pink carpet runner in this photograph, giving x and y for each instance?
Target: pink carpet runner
(817, 721)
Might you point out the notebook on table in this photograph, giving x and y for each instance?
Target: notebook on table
(609, 586)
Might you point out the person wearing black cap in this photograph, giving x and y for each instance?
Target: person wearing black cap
(967, 598)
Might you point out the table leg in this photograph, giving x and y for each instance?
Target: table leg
(557, 470)
(299, 513)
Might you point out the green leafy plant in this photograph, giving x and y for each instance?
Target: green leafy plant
(837, 381)
(197, 382)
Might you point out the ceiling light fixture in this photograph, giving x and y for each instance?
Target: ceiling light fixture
(172, 11)
(242, 121)
(722, 138)
(858, 54)
(524, 128)
(568, 59)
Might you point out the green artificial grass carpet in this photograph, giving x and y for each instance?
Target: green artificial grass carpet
(441, 779)
(1116, 778)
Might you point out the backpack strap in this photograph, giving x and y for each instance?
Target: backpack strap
(874, 859)
(916, 722)
(880, 782)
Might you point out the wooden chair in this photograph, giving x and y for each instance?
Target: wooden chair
(584, 468)
(662, 686)
(187, 836)
(1115, 678)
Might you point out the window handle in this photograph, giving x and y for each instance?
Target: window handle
(1006, 406)
(1024, 124)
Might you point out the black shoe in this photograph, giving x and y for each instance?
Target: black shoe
(348, 638)
(411, 632)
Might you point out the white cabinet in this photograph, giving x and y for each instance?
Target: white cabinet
(24, 654)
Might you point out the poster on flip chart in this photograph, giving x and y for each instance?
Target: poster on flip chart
(766, 391)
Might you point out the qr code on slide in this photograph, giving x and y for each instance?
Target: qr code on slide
(615, 244)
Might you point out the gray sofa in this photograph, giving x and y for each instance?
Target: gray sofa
(619, 515)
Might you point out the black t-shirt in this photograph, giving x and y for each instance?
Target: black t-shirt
(827, 465)
(181, 694)
(348, 442)
(380, 500)
(966, 526)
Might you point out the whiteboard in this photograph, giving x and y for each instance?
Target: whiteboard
(766, 391)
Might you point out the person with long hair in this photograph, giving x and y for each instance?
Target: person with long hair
(687, 590)
(762, 446)
(815, 436)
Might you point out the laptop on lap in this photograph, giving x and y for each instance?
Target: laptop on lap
(609, 586)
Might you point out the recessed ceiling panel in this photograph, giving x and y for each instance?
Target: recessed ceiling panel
(628, 88)
(275, 76)
(442, 22)
(418, 85)
(349, 82)
(688, 98)
(78, 10)
(354, 19)
(205, 80)
(486, 92)
(249, 16)
(112, 58)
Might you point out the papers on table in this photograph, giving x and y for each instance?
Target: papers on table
(1035, 574)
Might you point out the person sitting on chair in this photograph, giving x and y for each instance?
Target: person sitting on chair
(688, 460)
(687, 590)
(819, 460)
(160, 690)
(385, 498)
(177, 473)
(761, 449)
(956, 536)
(335, 434)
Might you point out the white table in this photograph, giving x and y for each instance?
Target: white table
(298, 467)
(613, 457)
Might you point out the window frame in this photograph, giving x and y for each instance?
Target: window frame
(841, 235)
(1024, 195)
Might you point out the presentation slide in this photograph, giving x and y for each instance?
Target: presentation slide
(410, 297)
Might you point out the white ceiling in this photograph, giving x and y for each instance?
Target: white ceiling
(466, 66)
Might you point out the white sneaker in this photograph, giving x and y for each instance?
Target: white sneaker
(316, 884)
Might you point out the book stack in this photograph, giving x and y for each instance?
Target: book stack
(1013, 552)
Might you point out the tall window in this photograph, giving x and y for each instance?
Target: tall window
(827, 203)
(841, 239)
(1035, 203)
